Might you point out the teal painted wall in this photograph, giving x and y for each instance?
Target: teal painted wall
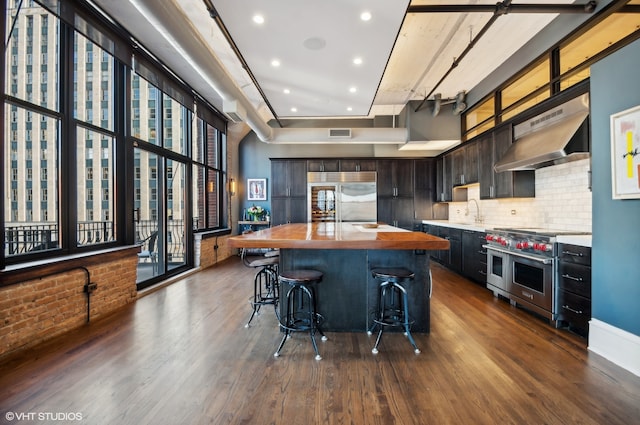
(615, 86)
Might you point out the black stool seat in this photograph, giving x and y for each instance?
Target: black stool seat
(265, 283)
(300, 277)
(393, 274)
(261, 262)
(393, 302)
(301, 314)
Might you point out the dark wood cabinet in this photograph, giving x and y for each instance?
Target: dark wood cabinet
(288, 210)
(323, 165)
(466, 255)
(573, 297)
(395, 185)
(464, 164)
(452, 259)
(455, 250)
(435, 231)
(288, 191)
(395, 177)
(508, 184)
(424, 188)
(357, 165)
(444, 183)
(397, 212)
(474, 256)
(486, 159)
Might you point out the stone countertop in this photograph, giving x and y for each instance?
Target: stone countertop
(578, 239)
(479, 227)
(581, 240)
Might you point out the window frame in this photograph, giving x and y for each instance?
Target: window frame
(115, 42)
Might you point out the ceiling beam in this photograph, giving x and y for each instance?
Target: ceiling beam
(499, 9)
(503, 8)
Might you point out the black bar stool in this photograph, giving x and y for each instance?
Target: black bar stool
(265, 283)
(393, 303)
(301, 314)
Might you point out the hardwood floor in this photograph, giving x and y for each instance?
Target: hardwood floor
(181, 355)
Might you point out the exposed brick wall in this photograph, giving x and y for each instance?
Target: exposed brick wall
(210, 256)
(34, 311)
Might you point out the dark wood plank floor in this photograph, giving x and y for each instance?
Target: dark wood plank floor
(181, 355)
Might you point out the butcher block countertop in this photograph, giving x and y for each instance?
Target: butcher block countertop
(338, 236)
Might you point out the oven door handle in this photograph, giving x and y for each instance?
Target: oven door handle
(519, 254)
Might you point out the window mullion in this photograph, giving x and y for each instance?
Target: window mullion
(67, 214)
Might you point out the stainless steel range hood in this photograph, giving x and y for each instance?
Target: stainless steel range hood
(558, 135)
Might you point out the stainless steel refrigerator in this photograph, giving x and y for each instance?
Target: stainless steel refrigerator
(342, 196)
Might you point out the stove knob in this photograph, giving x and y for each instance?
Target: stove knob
(546, 247)
(525, 244)
(489, 238)
(519, 245)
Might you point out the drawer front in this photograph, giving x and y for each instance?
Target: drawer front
(574, 308)
(575, 278)
(574, 254)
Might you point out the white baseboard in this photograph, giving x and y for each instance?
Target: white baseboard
(616, 345)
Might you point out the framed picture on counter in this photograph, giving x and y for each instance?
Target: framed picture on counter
(257, 189)
(625, 154)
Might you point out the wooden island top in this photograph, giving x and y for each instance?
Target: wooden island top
(338, 236)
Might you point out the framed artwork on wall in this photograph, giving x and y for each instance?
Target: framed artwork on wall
(625, 154)
(257, 189)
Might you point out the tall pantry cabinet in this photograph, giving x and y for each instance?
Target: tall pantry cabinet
(289, 191)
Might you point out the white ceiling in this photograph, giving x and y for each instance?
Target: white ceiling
(404, 54)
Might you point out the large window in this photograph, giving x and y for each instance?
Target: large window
(577, 54)
(32, 132)
(208, 176)
(70, 87)
(530, 88)
(93, 109)
(480, 117)
(96, 214)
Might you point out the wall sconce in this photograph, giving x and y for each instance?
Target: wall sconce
(210, 187)
(232, 187)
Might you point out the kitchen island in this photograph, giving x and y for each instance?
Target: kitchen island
(345, 254)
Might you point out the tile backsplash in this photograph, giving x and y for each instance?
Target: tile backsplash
(562, 202)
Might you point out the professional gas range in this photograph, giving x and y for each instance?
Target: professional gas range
(521, 266)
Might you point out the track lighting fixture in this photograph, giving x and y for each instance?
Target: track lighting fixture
(459, 103)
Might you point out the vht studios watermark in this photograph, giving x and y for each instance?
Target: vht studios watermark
(43, 416)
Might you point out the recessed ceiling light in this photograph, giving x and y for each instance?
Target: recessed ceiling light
(357, 61)
(349, 108)
(365, 16)
(275, 63)
(258, 19)
(294, 109)
(353, 89)
(286, 91)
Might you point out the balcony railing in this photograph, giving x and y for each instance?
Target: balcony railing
(23, 238)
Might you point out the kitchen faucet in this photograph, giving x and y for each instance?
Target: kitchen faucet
(478, 218)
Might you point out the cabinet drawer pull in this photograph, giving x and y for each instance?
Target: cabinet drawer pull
(574, 254)
(482, 272)
(568, 276)
(566, 307)
(482, 252)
